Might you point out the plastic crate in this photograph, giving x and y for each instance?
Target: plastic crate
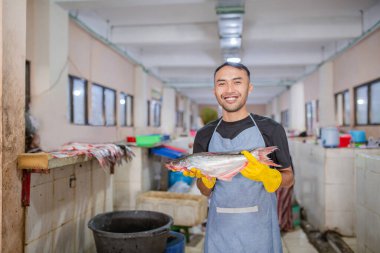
(185, 209)
(147, 140)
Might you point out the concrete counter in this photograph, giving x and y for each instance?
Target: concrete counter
(325, 184)
(368, 202)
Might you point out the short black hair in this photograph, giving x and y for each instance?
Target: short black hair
(234, 65)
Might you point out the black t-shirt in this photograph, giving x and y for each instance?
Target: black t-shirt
(273, 134)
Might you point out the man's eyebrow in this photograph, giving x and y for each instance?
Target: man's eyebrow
(223, 80)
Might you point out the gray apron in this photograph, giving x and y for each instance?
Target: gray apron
(242, 215)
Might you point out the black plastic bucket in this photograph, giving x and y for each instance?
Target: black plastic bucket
(130, 231)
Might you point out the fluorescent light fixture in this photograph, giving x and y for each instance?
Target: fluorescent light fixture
(230, 42)
(234, 59)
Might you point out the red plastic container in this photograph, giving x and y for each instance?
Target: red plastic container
(131, 139)
(344, 140)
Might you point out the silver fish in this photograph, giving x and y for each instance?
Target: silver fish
(223, 166)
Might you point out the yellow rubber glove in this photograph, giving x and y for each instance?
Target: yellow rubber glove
(194, 172)
(271, 178)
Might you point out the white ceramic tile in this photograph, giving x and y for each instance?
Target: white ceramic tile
(342, 222)
(372, 186)
(40, 178)
(109, 193)
(121, 195)
(372, 239)
(39, 215)
(122, 172)
(63, 172)
(83, 192)
(340, 153)
(339, 197)
(361, 183)
(84, 167)
(42, 244)
(84, 241)
(64, 238)
(360, 229)
(63, 201)
(340, 171)
(98, 186)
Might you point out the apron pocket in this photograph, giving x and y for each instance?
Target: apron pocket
(251, 209)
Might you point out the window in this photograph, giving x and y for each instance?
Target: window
(179, 119)
(110, 106)
(78, 100)
(367, 104)
(284, 118)
(342, 108)
(311, 114)
(125, 111)
(103, 106)
(129, 110)
(97, 108)
(155, 106)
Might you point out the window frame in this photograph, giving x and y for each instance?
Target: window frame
(343, 106)
(369, 99)
(71, 102)
(285, 115)
(153, 104)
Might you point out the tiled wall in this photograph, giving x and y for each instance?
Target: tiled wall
(133, 178)
(56, 220)
(368, 203)
(325, 185)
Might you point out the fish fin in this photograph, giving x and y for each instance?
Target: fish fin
(262, 155)
(229, 175)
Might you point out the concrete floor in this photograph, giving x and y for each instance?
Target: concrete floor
(293, 242)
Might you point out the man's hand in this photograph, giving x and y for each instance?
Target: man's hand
(271, 178)
(194, 172)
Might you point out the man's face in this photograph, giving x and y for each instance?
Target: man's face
(231, 88)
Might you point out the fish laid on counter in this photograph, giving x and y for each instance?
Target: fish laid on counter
(223, 166)
(106, 154)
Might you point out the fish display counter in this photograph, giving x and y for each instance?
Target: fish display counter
(325, 184)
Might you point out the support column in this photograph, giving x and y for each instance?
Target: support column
(187, 114)
(140, 105)
(326, 101)
(47, 51)
(13, 26)
(168, 111)
(297, 107)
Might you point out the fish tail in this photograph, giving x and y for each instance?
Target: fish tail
(262, 155)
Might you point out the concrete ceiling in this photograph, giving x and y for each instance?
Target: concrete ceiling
(178, 39)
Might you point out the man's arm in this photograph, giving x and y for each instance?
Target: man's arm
(287, 177)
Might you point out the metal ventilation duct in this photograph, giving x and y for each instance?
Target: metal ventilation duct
(230, 24)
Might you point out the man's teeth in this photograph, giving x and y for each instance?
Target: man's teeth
(230, 98)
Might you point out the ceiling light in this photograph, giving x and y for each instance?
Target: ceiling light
(230, 42)
(77, 93)
(233, 59)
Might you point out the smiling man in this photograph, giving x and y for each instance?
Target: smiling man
(242, 214)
